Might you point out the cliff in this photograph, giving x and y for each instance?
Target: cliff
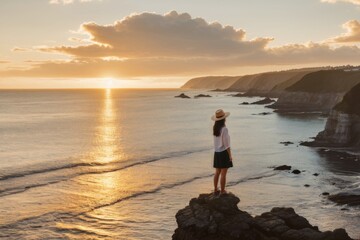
(326, 81)
(342, 128)
(317, 91)
(211, 217)
(210, 82)
(262, 84)
(306, 102)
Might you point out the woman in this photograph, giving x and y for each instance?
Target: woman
(222, 155)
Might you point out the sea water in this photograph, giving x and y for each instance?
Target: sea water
(119, 163)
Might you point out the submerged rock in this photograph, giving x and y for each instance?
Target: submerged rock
(296, 171)
(210, 217)
(286, 143)
(283, 167)
(346, 198)
(263, 101)
(182, 95)
(202, 95)
(263, 113)
(238, 95)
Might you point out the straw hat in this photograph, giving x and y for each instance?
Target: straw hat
(220, 115)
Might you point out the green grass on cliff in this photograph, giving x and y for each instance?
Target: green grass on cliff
(351, 102)
(326, 81)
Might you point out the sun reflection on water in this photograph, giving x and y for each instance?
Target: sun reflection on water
(107, 135)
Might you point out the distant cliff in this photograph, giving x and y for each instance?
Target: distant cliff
(342, 128)
(263, 84)
(211, 217)
(210, 82)
(317, 91)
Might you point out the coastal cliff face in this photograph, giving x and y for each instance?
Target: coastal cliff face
(210, 217)
(306, 102)
(261, 84)
(342, 128)
(317, 91)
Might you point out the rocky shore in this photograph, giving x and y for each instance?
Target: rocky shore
(210, 217)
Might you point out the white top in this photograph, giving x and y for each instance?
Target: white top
(222, 142)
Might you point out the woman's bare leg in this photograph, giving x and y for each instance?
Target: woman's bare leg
(216, 178)
(223, 179)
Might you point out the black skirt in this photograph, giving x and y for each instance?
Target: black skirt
(222, 160)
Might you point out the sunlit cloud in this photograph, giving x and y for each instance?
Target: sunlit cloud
(3, 61)
(173, 44)
(356, 2)
(352, 34)
(169, 35)
(20, 49)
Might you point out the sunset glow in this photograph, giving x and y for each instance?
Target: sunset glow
(145, 43)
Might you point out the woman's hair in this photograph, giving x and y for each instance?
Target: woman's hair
(218, 125)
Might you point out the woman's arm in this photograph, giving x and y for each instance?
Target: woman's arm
(226, 142)
(229, 152)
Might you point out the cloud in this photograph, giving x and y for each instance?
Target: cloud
(356, 2)
(149, 44)
(65, 2)
(20, 49)
(352, 34)
(169, 35)
(3, 61)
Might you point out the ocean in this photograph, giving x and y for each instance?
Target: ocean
(119, 163)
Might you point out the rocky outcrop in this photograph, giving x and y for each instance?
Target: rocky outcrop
(210, 217)
(263, 101)
(306, 102)
(342, 128)
(202, 96)
(182, 95)
(350, 199)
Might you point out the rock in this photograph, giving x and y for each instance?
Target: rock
(286, 143)
(238, 95)
(264, 101)
(202, 95)
(325, 194)
(283, 167)
(315, 174)
(306, 185)
(263, 113)
(182, 95)
(245, 103)
(210, 217)
(295, 171)
(346, 198)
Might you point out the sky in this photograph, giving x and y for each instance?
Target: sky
(163, 43)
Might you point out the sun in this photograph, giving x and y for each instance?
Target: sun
(108, 83)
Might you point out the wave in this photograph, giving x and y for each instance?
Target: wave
(253, 177)
(20, 189)
(69, 215)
